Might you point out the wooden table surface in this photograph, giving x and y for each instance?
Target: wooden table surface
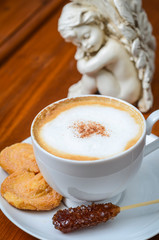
(36, 68)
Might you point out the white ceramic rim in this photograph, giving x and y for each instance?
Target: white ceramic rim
(88, 161)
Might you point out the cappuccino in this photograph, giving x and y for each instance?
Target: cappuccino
(88, 128)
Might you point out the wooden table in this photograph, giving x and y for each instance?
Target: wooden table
(37, 67)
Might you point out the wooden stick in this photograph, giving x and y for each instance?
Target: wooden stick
(139, 205)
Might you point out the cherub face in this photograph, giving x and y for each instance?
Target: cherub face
(88, 37)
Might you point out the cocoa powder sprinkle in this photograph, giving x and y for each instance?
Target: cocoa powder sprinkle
(86, 129)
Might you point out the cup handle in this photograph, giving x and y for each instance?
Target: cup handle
(151, 120)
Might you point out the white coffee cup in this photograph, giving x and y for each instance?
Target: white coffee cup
(98, 180)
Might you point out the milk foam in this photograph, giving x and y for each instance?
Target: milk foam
(120, 125)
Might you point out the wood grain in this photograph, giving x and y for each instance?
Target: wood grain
(152, 12)
(19, 21)
(13, 14)
(39, 72)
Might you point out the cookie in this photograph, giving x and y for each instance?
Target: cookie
(18, 156)
(29, 191)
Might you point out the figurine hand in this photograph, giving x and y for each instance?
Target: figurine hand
(81, 66)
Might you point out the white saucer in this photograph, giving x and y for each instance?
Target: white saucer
(135, 224)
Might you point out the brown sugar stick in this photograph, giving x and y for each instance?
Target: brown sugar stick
(72, 219)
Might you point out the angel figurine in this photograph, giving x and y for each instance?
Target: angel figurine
(115, 49)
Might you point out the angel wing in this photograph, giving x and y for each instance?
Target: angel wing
(138, 31)
(127, 21)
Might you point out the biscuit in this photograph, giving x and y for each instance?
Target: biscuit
(18, 156)
(29, 191)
